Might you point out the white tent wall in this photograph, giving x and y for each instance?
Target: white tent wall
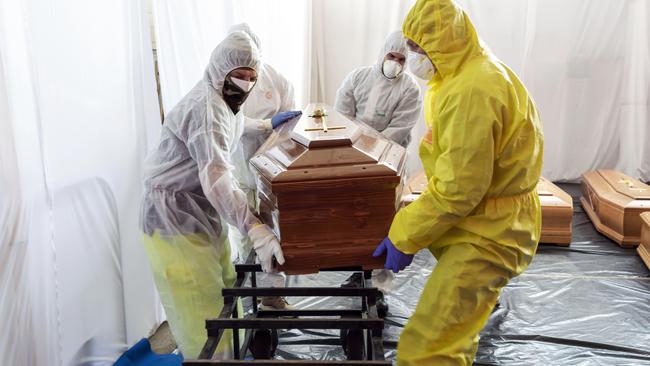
(78, 111)
(348, 35)
(188, 31)
(314, 43)
(352, 34)
(585, 62)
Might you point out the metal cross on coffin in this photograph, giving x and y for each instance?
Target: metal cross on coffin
(320, 116)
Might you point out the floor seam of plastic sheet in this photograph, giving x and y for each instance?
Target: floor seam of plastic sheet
(587, 304)
(636, 278)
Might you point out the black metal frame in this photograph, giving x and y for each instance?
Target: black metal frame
(363, 320)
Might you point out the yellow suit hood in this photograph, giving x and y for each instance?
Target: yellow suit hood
(444, 32)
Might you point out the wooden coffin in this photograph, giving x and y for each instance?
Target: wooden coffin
(644, 246)
(557, 213)
(614, 202)
(414, 188)
(557, 208)
(329, 188)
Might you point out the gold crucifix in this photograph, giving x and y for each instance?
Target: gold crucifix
(321, 114)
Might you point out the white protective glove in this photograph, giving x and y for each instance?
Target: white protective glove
(266, 246)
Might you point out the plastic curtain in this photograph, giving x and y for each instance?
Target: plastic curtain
(188, 31)
(350, 34)
(320, 42)
(587, 64)
(78, 111)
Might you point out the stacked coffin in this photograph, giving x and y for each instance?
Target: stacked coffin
(614, 203)
(557, 208)
(557, 213)
(329, 188)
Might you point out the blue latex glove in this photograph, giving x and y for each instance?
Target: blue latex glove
(141, 355)
(283, 117)
(395, 260)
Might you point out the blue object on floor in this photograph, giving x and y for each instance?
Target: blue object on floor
(142, 355)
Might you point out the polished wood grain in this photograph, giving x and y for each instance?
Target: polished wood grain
(330, 204)
(364, 154)
(557, 213)
(614, 202)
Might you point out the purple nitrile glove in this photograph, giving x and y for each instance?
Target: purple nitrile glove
(395, 260)
(283, 117)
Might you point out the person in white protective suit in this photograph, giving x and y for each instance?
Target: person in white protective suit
(190, 197)
(269, 105)
(382, 95)
(388, 100)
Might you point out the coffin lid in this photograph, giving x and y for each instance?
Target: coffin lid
(543, 188)
(625, 185)
(551, 195)
(322, 126)
(418, 184)
(313, 148)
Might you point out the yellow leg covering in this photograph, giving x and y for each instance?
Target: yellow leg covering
(456, 304)
(190, 271)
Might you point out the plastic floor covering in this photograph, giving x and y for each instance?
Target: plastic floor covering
(587, 304)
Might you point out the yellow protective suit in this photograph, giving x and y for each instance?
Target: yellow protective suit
(480, 215)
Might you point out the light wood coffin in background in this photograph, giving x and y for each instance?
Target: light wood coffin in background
(614, 203)
(557, 208)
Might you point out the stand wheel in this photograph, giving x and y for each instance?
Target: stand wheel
(264, 343)
(274, 333)
(382, 306)
(353, 343)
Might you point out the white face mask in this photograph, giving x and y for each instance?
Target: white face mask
(245, 85)
(391, 69)
(421, 66)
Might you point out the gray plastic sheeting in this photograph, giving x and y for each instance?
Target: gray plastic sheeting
(587, 304)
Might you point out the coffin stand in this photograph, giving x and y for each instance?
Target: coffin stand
(644, 247)
(557, 208)
(614, 202)
(329, 188)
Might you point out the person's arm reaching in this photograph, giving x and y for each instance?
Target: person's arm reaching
(254, 127)
(209, 147)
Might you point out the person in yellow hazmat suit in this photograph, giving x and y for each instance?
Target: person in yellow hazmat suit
(480, 215)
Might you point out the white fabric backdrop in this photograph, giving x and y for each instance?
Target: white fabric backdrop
(77, 114)
(188, 31)
(586, 63)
